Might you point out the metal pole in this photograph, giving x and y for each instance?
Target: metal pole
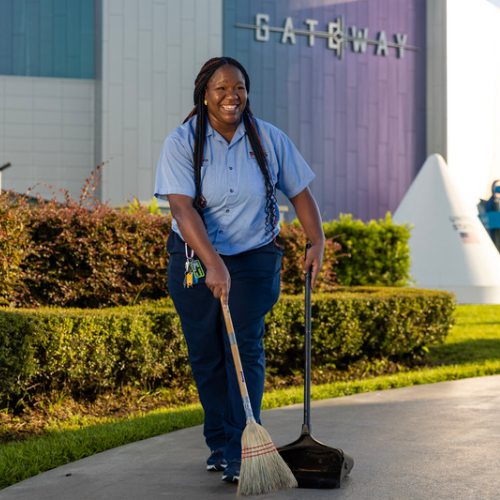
(3, 167)
(307, 348)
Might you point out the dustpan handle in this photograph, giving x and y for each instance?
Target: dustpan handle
(307, 348)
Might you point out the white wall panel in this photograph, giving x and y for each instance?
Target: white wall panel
(151, 53)
(47, 133)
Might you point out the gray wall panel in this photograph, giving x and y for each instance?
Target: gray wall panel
(151, 53)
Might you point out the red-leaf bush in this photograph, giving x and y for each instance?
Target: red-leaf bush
(83, 253)
(96, 258)
(292, 277)
(86, 254)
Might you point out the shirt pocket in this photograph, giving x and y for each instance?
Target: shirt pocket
(211, 181)
(253, 178)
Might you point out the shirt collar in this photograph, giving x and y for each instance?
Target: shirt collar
(240, 131)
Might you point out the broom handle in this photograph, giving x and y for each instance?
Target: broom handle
(306, 428)
(247, 406)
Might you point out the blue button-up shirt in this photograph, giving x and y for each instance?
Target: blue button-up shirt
(232, 182)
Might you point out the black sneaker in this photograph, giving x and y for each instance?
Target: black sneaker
(232, 472)
(216, 461)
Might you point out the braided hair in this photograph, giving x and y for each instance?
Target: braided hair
(200, 110)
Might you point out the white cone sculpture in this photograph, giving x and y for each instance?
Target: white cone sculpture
(449, 247)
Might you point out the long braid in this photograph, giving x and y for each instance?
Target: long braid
(260, 156)
(201, 115)
(200, 110)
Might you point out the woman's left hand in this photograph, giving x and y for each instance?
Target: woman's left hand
(314, 260)
(309, 217)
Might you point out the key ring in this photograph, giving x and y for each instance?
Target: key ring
(192, 252)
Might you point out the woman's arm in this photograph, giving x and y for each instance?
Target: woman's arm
(195, 234)
(309, 217)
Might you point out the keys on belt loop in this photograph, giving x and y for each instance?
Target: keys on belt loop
(188, 275)
(193, 270)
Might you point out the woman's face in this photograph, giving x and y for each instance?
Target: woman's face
(226, 97)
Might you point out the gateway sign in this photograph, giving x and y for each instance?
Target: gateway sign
(335, 36)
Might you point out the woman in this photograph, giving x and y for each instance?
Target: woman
(220, 171)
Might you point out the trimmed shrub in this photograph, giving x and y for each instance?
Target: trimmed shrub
(358, 323)
(87, 352)
(93, 258)
(378, 251)
(83, 253)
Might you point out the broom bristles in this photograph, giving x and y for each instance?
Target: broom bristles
(262, 468)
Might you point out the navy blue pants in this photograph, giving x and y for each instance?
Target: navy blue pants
(255, 288)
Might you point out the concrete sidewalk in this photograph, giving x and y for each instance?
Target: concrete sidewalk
(438, 441)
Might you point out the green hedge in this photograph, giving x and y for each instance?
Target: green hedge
(378, 251)
(87, 352)
(358, 323)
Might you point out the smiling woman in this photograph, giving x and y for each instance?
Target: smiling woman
(226, 98)
(220, 171)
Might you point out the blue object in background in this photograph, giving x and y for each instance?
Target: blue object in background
(491, 220)
(489, 213)
(48, 38)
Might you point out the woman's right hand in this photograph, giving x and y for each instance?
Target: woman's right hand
(195, 234)
(218, 280)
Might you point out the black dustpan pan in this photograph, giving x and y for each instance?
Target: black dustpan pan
(314, 464)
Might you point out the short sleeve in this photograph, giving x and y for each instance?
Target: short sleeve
(175, 173)
(294, 174)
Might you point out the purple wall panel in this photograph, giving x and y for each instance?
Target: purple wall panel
(362, 97)
(362, 13)
(317, 139)
(328, 113)
(358, 120)
(352, 188)
(373, 135)
(340, 191)
(373, 192)
(328, 175)
(362, 158)
(341, 143)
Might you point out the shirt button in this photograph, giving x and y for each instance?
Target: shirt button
(220, 231)
(230, 168)
(227, 211)
(231, 190)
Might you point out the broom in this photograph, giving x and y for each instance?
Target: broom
(262, 468)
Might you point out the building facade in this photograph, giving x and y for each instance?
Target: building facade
(365, 89)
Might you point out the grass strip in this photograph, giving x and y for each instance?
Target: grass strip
(287, 397)
(24, 459)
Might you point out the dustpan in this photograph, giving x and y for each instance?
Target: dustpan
(314, 464)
